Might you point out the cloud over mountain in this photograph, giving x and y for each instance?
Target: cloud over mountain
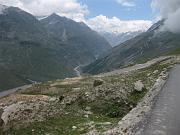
(170, 10)
(102, 23)
(77, 11)
(68, 8)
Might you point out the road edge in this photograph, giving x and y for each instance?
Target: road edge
(130, 124)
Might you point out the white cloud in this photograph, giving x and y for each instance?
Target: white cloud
(77, 11)
(127, 3)
(69, 8)
(169, 10)
(115, 25)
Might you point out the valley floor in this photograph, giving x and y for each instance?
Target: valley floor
(11, 91)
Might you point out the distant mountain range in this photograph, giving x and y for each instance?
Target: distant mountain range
(78, 35)
(117, 38)
(147, 45)
(51, 47)
(46, 49)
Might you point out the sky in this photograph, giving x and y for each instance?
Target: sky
(141, 9)
(113, 16)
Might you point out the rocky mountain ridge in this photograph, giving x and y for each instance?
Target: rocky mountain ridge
(146, 46)
(117, 38)
(31, 51)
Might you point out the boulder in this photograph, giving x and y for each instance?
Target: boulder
(98, 82)
(88, 108)
(74, 127)
(1, 121)
(138, 86)
(156, 71)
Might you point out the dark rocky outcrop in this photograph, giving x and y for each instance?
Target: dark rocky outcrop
(1, 121)
(98, 82)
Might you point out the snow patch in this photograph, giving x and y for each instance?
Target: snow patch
(41, 17)
(2, 8)
(53, 22)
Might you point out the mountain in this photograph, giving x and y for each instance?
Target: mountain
(117, 38)
(27, 51)
(147, 45)
(31, 52)
(77, 34)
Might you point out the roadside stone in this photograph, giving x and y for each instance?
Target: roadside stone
(98, 82)
(138, 86)
(88, 112)
(156, 71)
(74, 127)
(53, 99)
(87, 94)
(106, 123)
(88, 108)
(165, 69)
(76, 89)
(86, 116)
(163, 75)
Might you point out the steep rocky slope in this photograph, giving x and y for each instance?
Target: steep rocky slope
(148, 45)
(31, 52)
(86, 41)
(117, 38)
